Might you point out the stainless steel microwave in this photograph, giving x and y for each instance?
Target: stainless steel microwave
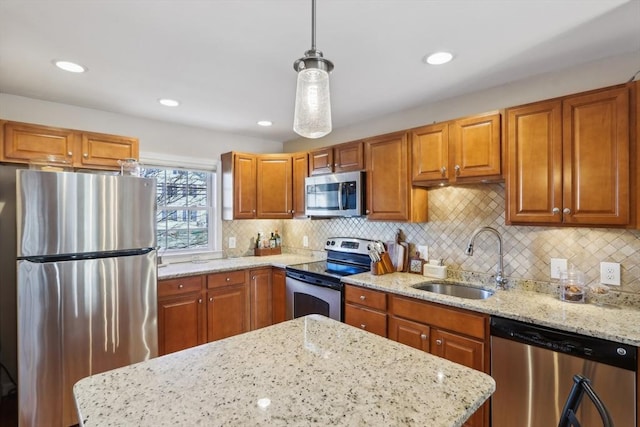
(339, 194)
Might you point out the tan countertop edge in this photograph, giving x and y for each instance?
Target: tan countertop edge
(619, 324)
(310, 370)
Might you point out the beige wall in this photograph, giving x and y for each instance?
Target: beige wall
(454, 212)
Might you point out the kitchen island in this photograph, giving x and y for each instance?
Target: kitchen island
(310, 370)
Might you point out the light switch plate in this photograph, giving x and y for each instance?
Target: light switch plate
(610, 273)
(232, 242)
(557, 265)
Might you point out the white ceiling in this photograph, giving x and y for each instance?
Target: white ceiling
(230, 62)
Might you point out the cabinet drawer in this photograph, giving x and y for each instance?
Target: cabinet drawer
(367, 297)
(464, 322)
(179, 286)
(368, 320)
(216, 280)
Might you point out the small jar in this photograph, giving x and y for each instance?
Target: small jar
(129, 167)
(572, 287)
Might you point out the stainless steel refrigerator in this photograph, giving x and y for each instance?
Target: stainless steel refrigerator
(87, 275)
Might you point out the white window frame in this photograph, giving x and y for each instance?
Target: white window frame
(214, 250)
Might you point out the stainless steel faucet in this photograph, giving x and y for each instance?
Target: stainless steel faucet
(501, 281)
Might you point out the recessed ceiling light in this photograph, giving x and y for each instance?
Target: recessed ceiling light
(438, 58)
(265, 123)
(168, 102)
(72, 67)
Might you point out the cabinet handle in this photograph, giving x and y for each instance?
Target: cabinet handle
(362, 297)
(85, 155)
(199, 300)
(439, 342)
(363, 326)
(211, 299)
(457, 169)
(423, 337)
(555, 211)
(443, 170)
(180, 286)
(70, 153)
(566, 211)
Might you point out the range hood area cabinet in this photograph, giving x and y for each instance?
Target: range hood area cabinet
(263, 186)
(389, 194)
(569, 160)
(25, 142)
(462, 151)
(347, 157)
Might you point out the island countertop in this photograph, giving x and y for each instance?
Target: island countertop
(310, 370)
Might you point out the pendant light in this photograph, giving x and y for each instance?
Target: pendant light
(312, 116)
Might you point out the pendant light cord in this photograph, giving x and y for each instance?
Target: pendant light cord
(313, 25)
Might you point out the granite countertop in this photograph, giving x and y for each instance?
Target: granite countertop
(172, 271)
(310, 370)
(615, 323)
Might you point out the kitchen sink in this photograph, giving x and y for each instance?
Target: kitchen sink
(454, 289)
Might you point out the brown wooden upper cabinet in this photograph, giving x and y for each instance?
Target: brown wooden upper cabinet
(345, 157)
(569, 160)
(390, 196)
(262, 185)
(467, 150)
(25, 142)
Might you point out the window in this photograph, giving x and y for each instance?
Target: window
(185, 209)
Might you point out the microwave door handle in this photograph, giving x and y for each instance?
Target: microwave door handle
(340, 185)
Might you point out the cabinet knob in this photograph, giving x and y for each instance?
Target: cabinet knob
(228, 279)
(439, 342)
(335, 165)
(211, 299)
(457, 169)
(367, 211)
(423, 337)
(443, 171)
(180, 286)
(253, 211)
(555, 211)
(252, 278)
(566, 211)
(85, 155)
(70, 153)
(199, 300)
(292, 211)
(362, 297)
(363, 326)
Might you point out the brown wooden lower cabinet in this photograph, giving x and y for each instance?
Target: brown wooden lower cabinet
(226, 312)
(366, 309)
(413, 334)
(278, 281)
(261, 291)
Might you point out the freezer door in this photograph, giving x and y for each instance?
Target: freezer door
(78, 318)
(72, 213)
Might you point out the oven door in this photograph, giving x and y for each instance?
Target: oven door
(306, 298)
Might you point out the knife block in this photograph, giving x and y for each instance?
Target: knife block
(384, 266)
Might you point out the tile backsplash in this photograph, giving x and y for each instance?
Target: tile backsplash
(454, 213)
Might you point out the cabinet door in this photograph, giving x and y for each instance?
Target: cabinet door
(476, 147)
(534, 179)
(300, 167)
(279, 298)
(181, 322)
(261, 291)
(410, 333)
(24, 142)
(244, 186)
(387, 177)
(227, 312)
(596, 158)
(348, 157)
(430, 153)
(274, 187)
(464, 351)
(103, 151)
(321, 161)
(366, 319)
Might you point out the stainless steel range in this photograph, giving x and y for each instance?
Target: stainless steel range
(315, 287)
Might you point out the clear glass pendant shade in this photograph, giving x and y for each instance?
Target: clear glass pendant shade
(312, 117)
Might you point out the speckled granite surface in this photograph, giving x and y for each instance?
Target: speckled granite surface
(615, 323)
(311, 370)
(227, 264)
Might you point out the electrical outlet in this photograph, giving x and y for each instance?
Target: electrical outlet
(424, 251)
(610, 273)
(557, 265)
(305, 241)
(232, 242)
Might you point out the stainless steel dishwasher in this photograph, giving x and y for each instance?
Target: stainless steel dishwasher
(533, 367)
